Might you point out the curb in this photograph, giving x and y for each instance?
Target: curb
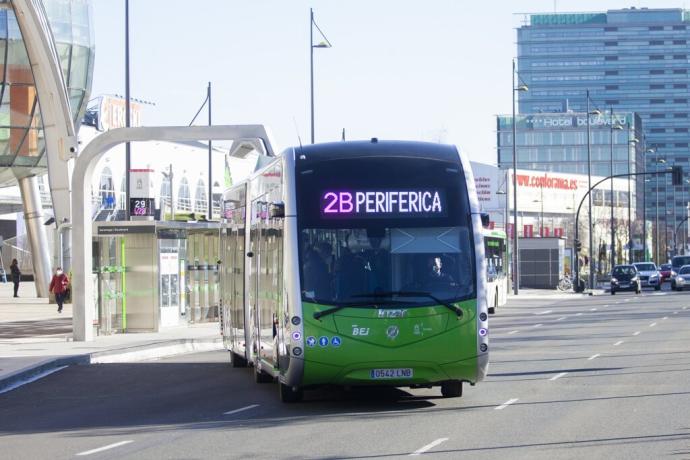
(121, 355)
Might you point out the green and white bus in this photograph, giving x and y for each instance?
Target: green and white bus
(496, 268)
(356, 263)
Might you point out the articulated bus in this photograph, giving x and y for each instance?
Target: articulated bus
(496, 268)
(356, 263)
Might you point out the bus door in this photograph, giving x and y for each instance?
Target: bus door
(227, 288)
(253, 268)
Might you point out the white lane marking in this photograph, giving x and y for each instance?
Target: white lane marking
(561, 318)
(544, 312)
(592, 309)
(593, 356)
(506, 404)
(538, 325)
(429, 446)
(636, 333)
(31, 379)
(579, 314)
(685, 308)
(665, 317)
(652, 325)
(241, 409)
(557, 376)
(675, 312)
(513, 332)
(604, 306)
(101, 449)
(618, 343)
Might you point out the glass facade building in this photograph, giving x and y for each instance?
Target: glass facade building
(22, 146)
(557, 143)
(633, 60)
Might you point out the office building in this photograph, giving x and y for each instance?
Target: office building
(633, 60)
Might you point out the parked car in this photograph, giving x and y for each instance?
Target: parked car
(625, 278)
(649, 275)
(667, 272)
(682, 279)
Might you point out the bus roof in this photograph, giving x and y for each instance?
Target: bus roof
(373, 148)
(495, 233)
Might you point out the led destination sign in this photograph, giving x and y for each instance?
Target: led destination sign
(384, 203)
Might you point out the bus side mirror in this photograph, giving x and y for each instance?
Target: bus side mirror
(485, 219)
(277, 210)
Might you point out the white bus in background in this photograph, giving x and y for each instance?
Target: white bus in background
(495, 251)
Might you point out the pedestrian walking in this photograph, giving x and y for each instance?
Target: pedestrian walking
(58, 286)
(16, 275)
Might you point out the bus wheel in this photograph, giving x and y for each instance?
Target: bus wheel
(451, 389)
(237, 360)
(290, 394)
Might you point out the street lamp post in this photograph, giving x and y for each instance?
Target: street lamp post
(657, 162)
(128, 151)
(589, 199)
(323, 44)
(613, 219)
(633, 142)
(516, 271)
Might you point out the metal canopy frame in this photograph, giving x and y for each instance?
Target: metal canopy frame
(82, 231)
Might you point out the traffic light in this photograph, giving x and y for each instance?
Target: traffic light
(578, 245)
(677, 175)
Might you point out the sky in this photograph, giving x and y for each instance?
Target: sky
(434, 70)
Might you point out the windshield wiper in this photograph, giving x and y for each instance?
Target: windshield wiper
(445, 303)
(328, 311)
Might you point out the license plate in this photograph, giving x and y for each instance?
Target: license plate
(625, 284)
(377, 374)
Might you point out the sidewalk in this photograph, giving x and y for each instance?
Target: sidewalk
(534, 294)
(36, 339)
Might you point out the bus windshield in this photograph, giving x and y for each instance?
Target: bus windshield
(372, 225)
(351, 265)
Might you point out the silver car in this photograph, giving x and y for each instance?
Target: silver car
(649, 275)
(682, 279)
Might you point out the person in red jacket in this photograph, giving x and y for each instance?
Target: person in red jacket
(58, 286)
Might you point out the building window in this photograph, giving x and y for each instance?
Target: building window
(680, 101)
(680, 115)
(680, 130)
(658, 115)
(658, 130)
(656, 42)
(611, 72)
(106, 189)
(184, 199)
(610, 58)
(165, 195)
(680, 86)
(656, 57)
(678, 27)
(611, 87)
(656, 28)
(679, 56)
(656, 72)
(200, 204)
(610, 43)
(680, 145)
(656, 86)
(656, 101)
(611, 102)
(610, 29)
(680, 71)
(679, 42)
